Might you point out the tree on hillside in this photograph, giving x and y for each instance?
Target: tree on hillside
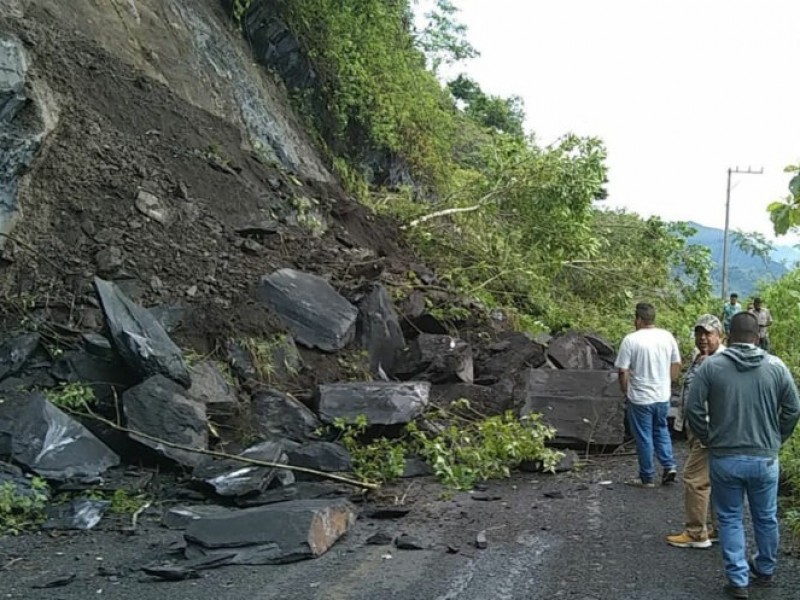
(502, 114)
(444, 39)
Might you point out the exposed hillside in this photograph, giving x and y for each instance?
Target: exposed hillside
(745, 271)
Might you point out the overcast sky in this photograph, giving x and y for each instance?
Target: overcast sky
(679, 91)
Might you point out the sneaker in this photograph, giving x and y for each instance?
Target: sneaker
(713, 535)
(735, 591)
(759, 579)
(638, 482)
(685, 540)
(669, 476)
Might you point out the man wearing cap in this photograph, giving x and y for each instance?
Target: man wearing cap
(764, 318)
(697, 532)
(743, 405)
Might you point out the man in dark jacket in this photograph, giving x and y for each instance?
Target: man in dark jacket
(743, 405)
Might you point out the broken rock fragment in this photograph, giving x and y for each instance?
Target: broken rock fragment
(381, 402)
(139, 337)
(506, 357)
(378, 329)
(321, 456)
(276, 415)
(39, 436)
(436, 358)
(163, 410)
(15, 352)
(572, 350)
(316, 314)
(179, 517)
(210, 388)
(230, 477)
(272, 534)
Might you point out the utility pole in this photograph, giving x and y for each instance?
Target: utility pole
(736, 171)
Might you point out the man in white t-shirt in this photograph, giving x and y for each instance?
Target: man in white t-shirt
(648, 361)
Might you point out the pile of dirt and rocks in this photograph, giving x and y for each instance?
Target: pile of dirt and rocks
(183, 265)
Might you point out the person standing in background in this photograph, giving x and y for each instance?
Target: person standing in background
(648, 361)
(728, 310)
(764, 319)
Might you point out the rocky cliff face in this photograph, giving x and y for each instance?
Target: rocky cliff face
(143, 143)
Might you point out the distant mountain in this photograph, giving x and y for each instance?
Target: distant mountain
(745, 272)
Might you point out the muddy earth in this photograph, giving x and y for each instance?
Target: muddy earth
(573, 535)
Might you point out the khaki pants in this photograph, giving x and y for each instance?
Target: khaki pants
(697, 488)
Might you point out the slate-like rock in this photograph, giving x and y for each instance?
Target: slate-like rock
(234, 478)
(210, 388)
(179, 517)
(80, 514)
(408, 542)
(107, 378)
(571, 350)
(378, 329)
(15, 352)
(99, 346)
(275, 415)
(379, 538)
(241, 363)
(382, 402)
(321, 456)
(487, 400)
(272, 534)
(436, 358)
(161, 408)
(512, 353)
(139, 337)
(316, 314)
(585, 406)
(39, 436)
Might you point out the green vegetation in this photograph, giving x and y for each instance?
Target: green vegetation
(20, 510)
(462, 452)
(71, 396)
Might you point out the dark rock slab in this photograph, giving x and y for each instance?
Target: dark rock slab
(585, 406)
(605, 350)
(405, 541)
(321, 456)
(275, 415)
(179, 517)
(230, 477)
(416, 467)
(571, 350)
(488, 400)
(139, 337)
(388, 512)
(380, 538)
(272, 534)
(316, 314)
(39, 436)
(382, 402)
(241, 363)
(378, 329)
(504, 358)
(162, 409)
(436, 358)
(108, 378)
(15, 352)
(99, 346)
(211, 388)
(300, 490)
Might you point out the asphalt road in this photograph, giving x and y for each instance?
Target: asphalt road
(565, 536)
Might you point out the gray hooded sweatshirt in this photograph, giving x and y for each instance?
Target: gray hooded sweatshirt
(750, 400)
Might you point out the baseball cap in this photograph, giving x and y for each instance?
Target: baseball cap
(709, 323)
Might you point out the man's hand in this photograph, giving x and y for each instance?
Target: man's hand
(624, 377)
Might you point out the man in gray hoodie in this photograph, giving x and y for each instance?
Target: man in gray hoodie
(743, 405)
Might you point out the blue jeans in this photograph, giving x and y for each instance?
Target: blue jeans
(648, 423)
(731, 478)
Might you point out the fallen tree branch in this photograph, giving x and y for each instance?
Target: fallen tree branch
(243, 459)
(442, 213)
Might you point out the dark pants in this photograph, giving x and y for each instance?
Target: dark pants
(763, 343)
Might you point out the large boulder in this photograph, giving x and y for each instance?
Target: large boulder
(315, 313)
(39, 436)
(507, 356)
(573, 350)
(139, 337)
(321, 456)
(163, 410)
(585, 406)
(381, 402)
(378, 329)
(487, 400)
(436, 358)
(272, 534)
